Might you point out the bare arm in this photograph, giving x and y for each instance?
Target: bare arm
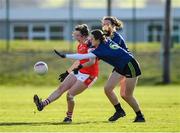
(74, 65)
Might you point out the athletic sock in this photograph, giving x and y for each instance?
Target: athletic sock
(46, 102)
(138, 113)
(118, 107)
(69, 114)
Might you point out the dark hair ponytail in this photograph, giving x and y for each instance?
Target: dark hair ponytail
(114, 21)
(83, 28)
(98, 35)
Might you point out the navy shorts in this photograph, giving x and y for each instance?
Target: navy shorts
(131, 70)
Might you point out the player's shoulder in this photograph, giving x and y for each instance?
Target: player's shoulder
(118, 38)
(116, 34)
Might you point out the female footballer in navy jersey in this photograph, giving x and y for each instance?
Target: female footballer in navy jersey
(124, 65)
(110, 25)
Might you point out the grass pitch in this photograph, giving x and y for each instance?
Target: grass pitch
(16, 66)
(160, 104)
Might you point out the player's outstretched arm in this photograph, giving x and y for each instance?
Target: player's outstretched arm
(75, 56)
(80, 56)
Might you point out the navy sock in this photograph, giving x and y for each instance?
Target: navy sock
(139, 113)
(46, 102)
(118, 107)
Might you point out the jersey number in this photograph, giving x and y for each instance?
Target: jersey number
(114, 46)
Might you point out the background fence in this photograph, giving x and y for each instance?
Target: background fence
(30, 30)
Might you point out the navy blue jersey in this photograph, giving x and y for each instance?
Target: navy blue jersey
(117, 38)
(113, 54)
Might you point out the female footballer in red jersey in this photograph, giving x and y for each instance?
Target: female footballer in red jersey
(76, 79)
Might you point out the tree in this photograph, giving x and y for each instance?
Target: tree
(166, 43)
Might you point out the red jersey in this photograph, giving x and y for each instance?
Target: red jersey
(91, 70)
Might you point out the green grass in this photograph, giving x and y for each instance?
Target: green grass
(16, 66)
(160, 104)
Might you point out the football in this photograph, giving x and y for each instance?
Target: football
(41, 68)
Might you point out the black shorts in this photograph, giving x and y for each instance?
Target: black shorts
(131, 70)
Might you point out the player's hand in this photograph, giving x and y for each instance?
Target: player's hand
(62, 76)
(75, 70)
(60, 54)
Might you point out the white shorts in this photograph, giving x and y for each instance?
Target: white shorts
(85, 78)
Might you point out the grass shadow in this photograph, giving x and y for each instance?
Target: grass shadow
(48, 123)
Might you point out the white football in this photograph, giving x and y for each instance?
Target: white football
(41, 68)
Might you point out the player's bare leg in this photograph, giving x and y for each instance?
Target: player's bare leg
(66, 84)
(109, 91)
(76, 89)
(127, 94)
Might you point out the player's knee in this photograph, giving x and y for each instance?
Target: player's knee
(69, 97)
(107, 89)
(125, 96)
